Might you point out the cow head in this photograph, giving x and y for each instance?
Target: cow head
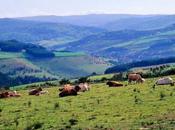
(77, 88)
(142, 80)
(39, 89)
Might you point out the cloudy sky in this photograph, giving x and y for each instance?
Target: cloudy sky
(19, 8)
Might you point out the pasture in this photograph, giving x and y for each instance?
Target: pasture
(134, 106)
(9, 55)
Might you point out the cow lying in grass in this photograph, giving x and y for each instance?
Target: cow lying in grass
(114, 84)
(165, 81)
(84, 87)
(35, 91)
(9, 94)
(69, 90)
(38, 91)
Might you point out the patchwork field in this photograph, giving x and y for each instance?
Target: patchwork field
(134, 106)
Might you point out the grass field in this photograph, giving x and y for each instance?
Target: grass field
(68, 54)
(8, 55)
(135, 106)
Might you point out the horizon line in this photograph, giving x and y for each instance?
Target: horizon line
(86, 14)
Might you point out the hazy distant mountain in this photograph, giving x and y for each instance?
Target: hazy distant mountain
(141, 23)
(96, 20)
(31, 31)
(111, 21)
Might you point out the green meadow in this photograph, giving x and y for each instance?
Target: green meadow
(135, 106)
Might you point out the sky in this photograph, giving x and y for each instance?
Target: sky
(21, 8)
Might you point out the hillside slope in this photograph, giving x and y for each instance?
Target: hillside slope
(22, 69)
(36, 32)
(128, 45)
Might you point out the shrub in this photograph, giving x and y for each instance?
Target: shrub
(83, 80)
(29, 103)
(137, 100)
(56, 105)
(34, 126)
(73, 121)
(162, 95)
(64, 81)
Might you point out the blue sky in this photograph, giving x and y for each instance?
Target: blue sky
(18, 8)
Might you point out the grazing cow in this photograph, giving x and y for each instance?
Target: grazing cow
(114, 84)
(69, 90)
(84, 87)
(135, 77)
(35, 91)
(165, 81)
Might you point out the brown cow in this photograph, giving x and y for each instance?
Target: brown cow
(114, 84)
(35, 91)
(4, 95)
(69, 90)
(9, 94)
(135, 77)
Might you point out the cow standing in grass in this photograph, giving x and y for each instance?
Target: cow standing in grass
(136, 78)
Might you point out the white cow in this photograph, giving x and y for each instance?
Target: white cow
(165, 81)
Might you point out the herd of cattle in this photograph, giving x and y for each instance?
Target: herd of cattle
(69, 90)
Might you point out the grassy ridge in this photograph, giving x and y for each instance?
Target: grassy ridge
(132, 107)
(9, 55)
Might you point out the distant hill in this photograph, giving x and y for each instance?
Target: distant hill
(111, 21)
(141, 22)
(36, 32)
(128, 45)
(19, 68)
(32, 50)
(139, 64)
(5, 81)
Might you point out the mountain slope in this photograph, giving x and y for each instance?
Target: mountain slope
(30, 31)
(128, 45)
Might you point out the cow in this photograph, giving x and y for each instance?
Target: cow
(165, 81)
(9, 94)
(44, 92)
(114, 84)
(4, 95)
(84, 87)
(69, 90)
(66, 85)
(135, 77)
(14, 94)
(35, 91)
